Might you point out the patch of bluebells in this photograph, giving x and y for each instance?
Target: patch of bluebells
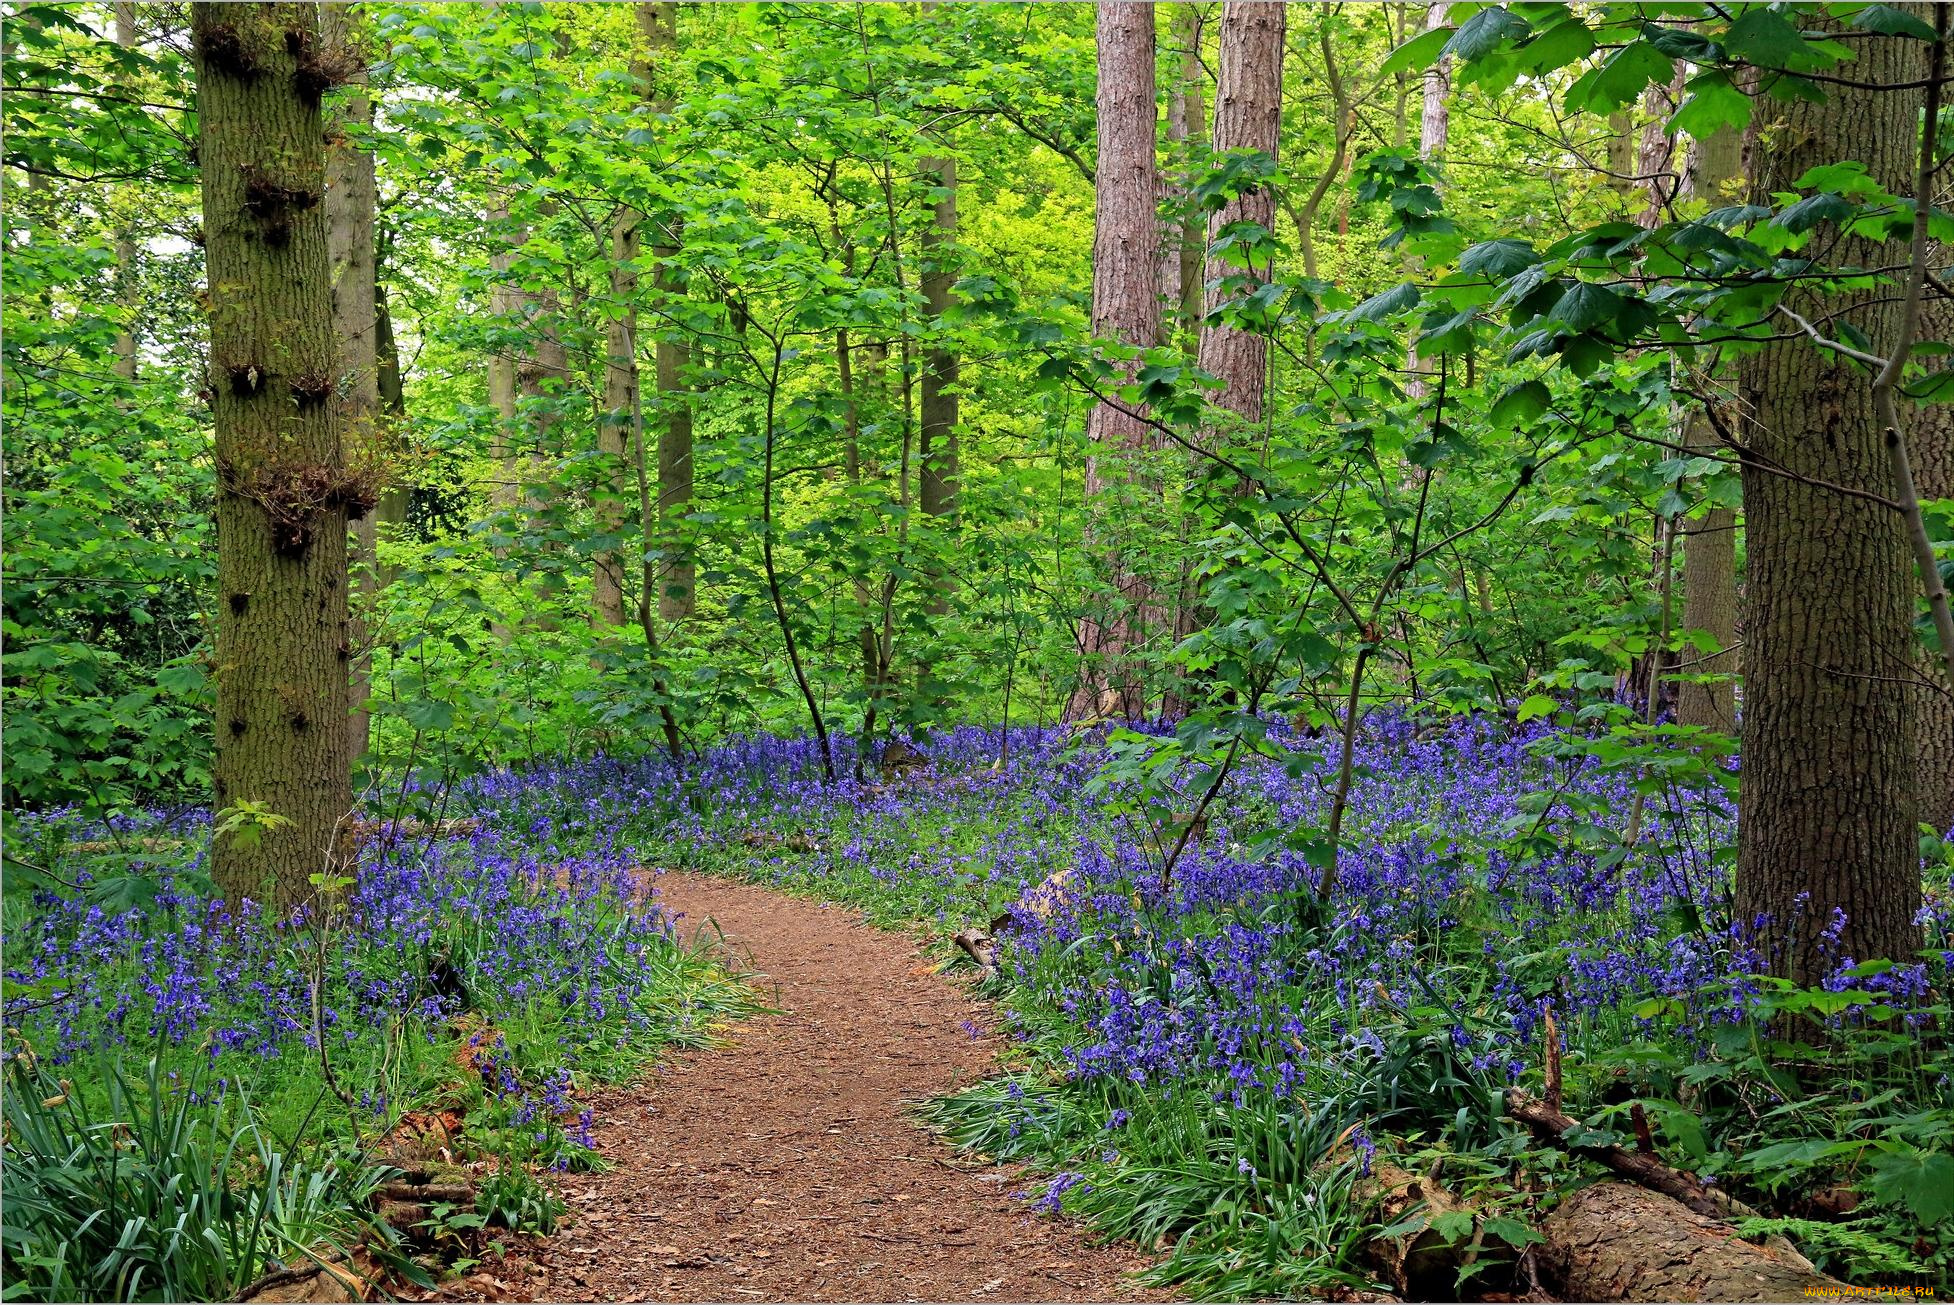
(517, 921)
(1217, 984)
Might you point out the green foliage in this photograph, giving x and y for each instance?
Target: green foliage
(167, 1190)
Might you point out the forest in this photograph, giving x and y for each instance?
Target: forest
(1210, 649)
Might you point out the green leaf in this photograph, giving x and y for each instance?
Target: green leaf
(1585, 306)
(1713, 104)
(1763, 38)
(1923, 1181)
(1485, 32)
(1619, 81)
(429, 715)
(1537, 705)
(1498, 259)
(1520, 404)
(1812, 210)
(1389, 303)
(1421, 51)
(1889, 21)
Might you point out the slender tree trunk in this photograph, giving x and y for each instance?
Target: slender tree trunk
(283, 492)
(504, 304)
(937, 448)
(620, 409)
(127, 295)
(392, 511)
(1435, 118)
(1434, 125)
(1710, 543)
(1247, 116)
(1126, 308)
(620, 402)
(677, 572)
(350, 200)
(1829, 795)
(1187, 126)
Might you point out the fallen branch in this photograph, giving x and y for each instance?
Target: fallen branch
(1550, 1125)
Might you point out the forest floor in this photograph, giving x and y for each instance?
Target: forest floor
(784, 1165)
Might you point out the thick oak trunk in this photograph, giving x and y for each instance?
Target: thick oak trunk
(283, 492)
(1826, 820)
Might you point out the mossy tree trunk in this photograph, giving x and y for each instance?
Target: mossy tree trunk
(1827, 815)
(283, 494)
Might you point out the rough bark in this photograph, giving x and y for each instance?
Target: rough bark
(1247, 116)
(1710, 542)
(283, 491)
(1125, 308)
(1616, 1241)
(350, 200)
(1827, 812)
(1932, 445)
(677, 574)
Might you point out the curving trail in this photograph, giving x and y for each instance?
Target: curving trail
(783, 1166)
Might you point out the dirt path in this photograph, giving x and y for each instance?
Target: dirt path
(782, 1166)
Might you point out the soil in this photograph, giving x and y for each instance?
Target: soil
(784, 1165)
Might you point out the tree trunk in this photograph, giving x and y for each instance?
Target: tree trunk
(1827, 814)
(127, 296)
(1435, 119)
(1247, 116)
(1187, 126)
(283, 493)
(619, 411)
(1932, 446)
(619, 415)
(1126, 308)
(938, 404)
(1710, 544)
(350, 200)
(392, 510)
(677, 575)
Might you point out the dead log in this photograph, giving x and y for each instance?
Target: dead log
(1621, 1241)
(980, 947)
(331, 1277)
(1423, 1264)
(434, 1193)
